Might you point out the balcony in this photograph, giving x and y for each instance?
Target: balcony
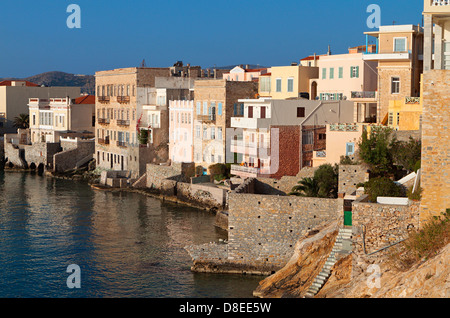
(123, 99)
(250, 123)
(103, 141)
(412, 100)
(391, 56)
(123, 122)
(207, 118)
(103, 99)
(121, 144)
(103, 121)
(249, 172)
(364, 95)
(261, 149)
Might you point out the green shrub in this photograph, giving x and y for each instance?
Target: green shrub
(382, 187)
(416, 195)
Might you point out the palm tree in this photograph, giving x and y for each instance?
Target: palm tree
(22, 121)
(307, 187)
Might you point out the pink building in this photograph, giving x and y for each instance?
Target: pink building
(244, 74)
(181, 128)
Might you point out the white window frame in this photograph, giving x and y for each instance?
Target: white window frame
(400, 38)
(399, 81)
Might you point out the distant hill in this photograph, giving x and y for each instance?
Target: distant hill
(86, 82)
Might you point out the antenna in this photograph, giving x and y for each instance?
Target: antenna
(143, 63)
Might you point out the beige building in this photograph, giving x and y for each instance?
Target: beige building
(15, 95)
(215, 102)
(53, 118)
(284, 82)
(132, 116)
(399, 52)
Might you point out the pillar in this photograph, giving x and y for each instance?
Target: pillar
(428, 42)
(438, 54)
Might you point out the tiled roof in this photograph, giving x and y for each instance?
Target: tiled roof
(87, 99)
(8, 83)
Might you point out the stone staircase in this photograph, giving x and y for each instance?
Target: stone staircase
(342, 246)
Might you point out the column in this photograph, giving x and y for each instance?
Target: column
(438, 47)
(428, 42)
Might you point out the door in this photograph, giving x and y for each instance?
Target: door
(263, 112)
(347, 212)
(250, 111)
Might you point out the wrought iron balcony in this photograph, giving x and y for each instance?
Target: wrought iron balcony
(364, 94)
(103, 99)
(122, 144)
(206, 118)
(123, 99)
(440, 2)
(103, 120)
(412, 100)
(123, 122)
(103, 141)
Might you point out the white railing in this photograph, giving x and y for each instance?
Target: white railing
(440, 2)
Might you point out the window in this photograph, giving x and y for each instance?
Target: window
(290, 85)
(205, 133)
(205, 108)
(219, 109)
(332, 73)
(278, 85)
(354, 71)
(350, 149)
(307, 137)
(399, 44)
(322, 136)
(219, 133)
(341, 72)
(395, 85)
(300, 111)
(197, 131)
(213, 133)
(250, 112)
(199, 106)
(324, 73)
(264, 84)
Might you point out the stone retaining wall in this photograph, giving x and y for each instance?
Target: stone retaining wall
(263, 230)
(74, 151)
(378, 225)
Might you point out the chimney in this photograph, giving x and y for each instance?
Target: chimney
(329, 50)
(247, 66)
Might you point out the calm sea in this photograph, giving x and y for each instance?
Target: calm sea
(125, 244)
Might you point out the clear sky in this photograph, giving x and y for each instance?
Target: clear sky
(34, 37)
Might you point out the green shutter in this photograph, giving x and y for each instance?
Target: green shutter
(357, 71)
(351, 71)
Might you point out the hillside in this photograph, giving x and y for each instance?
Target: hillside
(55, 78)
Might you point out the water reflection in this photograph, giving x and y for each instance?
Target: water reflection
(126, 244)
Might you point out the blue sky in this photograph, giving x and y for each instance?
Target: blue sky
(36, 39)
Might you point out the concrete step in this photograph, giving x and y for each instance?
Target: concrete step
(317, 285)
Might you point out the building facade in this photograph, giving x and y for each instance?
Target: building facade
(15, 95)
(215, 102)
(239, 73)
(287, 81)
(399, 52)
(55, 117)
(278, 138)
(181, 130)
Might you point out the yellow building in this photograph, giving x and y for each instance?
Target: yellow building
(283, 82)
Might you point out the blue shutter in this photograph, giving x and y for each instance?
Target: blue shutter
(219, 111)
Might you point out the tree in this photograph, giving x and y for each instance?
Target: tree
(22, 121)
(307, 187)
(382, 187)
(406, 154)
(327, 177)
(375, 150)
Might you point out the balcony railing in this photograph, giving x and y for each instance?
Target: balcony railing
(412, 100)
(123, 122)
(440, 2)
(122, 144)
(123, 99)
(103, 120)
(364, 94)
(103, 99)
(249, 171)
(206, 118)
(103, 141)
(343, 127)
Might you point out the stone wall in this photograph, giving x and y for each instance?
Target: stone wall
(263, 229)
(74, 152)
(208, 196)
(23, 156)
(378, 225)
(177, 171)
(350, 176)
(435, 164)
